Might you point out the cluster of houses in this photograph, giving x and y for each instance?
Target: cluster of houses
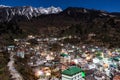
(73, 62)
(102, 62)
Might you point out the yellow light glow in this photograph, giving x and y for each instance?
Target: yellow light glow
(39, 73)
(48, 74)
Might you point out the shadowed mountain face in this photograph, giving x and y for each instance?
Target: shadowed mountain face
(93, 26)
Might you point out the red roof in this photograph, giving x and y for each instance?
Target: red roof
(117, 77)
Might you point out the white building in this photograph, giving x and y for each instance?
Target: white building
(10, 48)
(21, 54)
(73, 73)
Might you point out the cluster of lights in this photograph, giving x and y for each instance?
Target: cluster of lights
(39, 73)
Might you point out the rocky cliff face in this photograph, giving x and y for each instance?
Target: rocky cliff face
(7, 13)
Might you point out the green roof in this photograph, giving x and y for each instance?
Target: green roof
(83, 74)
(100, 58)
(114, 58)
(72, 71)
(11, 46)
(64, 55)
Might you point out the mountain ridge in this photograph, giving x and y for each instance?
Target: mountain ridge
(71, 21)
(27, 12)
(7, 13)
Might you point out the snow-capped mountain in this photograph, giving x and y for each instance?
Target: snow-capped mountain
(8, 12)
(1, 6)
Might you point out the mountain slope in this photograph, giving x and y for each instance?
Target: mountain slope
(78, 21)
(103, 26)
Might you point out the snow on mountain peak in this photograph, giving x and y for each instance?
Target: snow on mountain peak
(8, 12)
(4, 6)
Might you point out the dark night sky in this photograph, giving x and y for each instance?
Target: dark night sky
(107, 5)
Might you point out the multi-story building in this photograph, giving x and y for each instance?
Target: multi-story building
(73, 73)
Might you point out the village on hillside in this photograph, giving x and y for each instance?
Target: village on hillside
(36, 58)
